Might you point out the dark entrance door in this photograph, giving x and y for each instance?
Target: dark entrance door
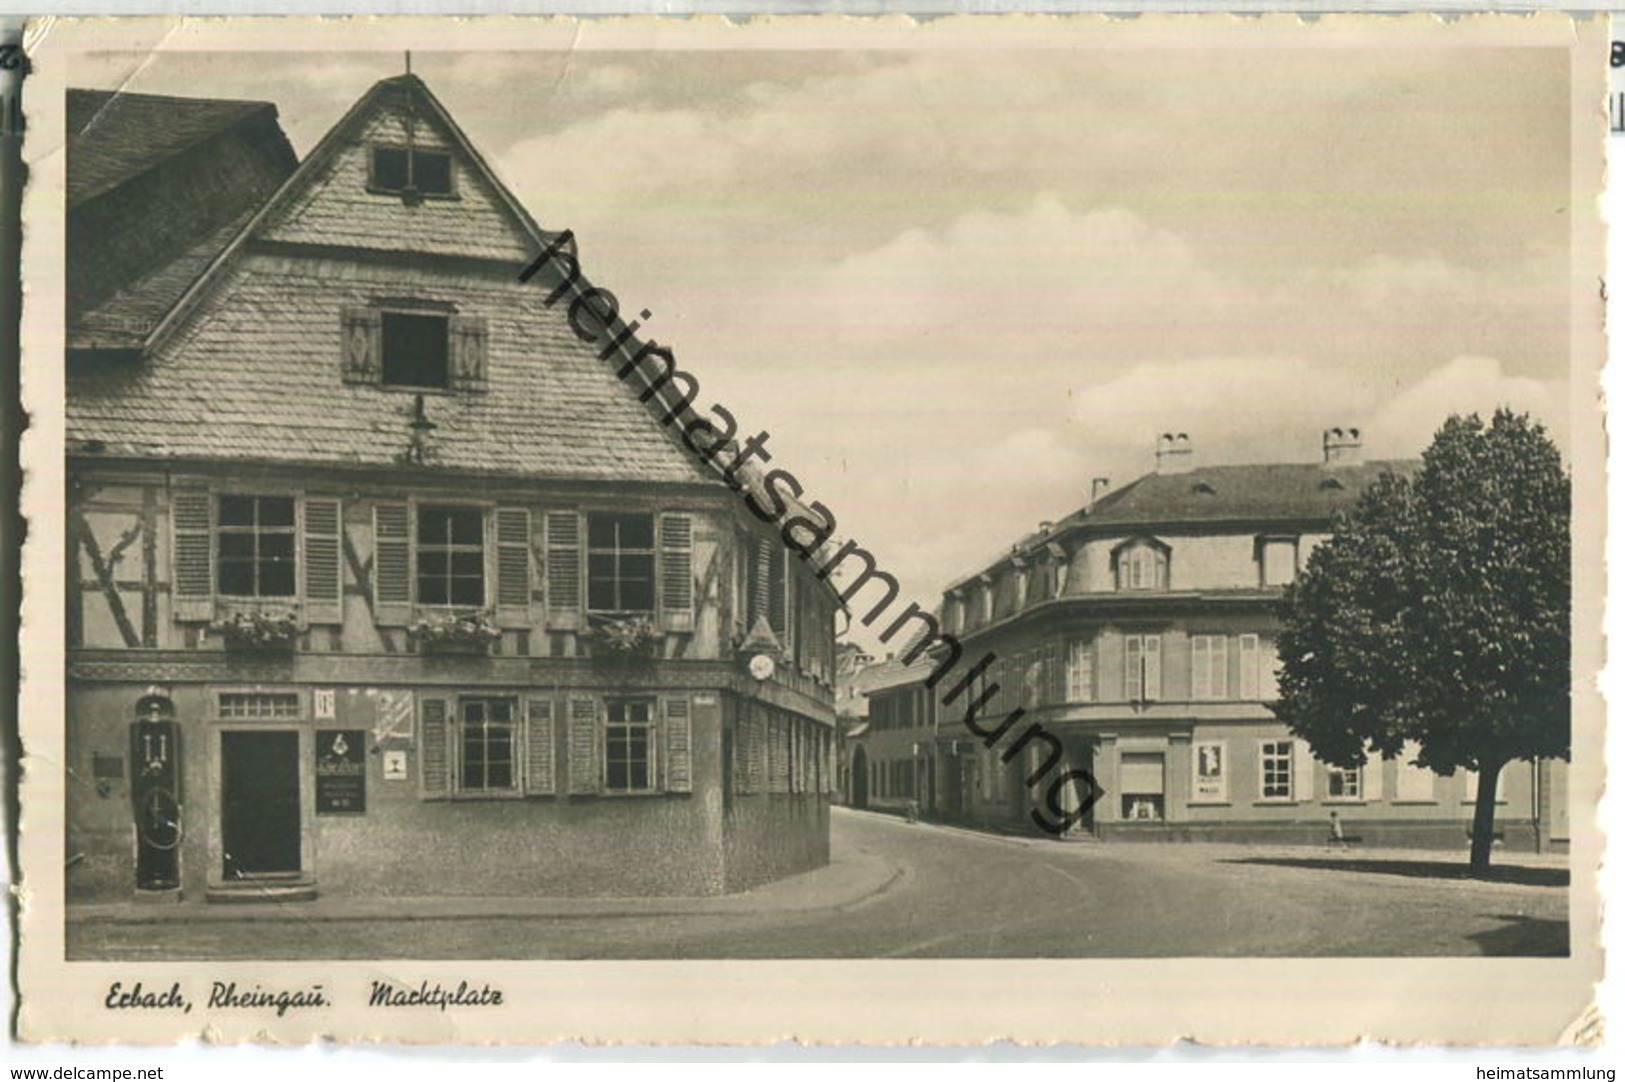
(860, 779)
(957, 785)
(259, 792)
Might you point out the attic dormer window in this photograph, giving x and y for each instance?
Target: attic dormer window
(1142, 564)
(411, 171)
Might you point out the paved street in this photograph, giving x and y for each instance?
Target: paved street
(901, 890)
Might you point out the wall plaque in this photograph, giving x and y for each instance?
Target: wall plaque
(341, 771)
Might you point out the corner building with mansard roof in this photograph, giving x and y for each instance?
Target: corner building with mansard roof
(1140, 632)
(379, 580)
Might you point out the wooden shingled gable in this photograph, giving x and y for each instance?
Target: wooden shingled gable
(322, 204)
(272, 353)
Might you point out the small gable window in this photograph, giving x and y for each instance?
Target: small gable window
(1278, 560)
(1142, 565)
(415, 350)
(403, 170)
(413, 343)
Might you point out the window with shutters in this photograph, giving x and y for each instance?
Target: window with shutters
(413, 344)
(1275, 770)
(1080, 671)
(239, 548)
(451, 556)
(487, 745)
(256, 546)
(1343, 784)
(629, 746)
(620, 563)
(1248, 661)
(1142, 668)
(1208, 667)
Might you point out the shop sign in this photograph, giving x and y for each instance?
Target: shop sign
(341, 771)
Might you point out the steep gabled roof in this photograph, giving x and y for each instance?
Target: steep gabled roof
(157, 187)
(124, 320)
(333, 143)
(247, 364)
(116, 135)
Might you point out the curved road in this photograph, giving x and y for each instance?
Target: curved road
(956, 894)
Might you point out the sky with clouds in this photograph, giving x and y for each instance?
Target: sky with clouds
(955, 286)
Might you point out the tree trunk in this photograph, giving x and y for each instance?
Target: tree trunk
(1484, 815)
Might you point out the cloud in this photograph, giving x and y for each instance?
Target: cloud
(1405, 425)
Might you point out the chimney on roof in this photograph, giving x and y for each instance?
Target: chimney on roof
(1174, 453)
(1098, 488)
(1341, 446)
(1045, 528)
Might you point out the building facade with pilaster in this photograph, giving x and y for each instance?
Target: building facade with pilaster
(1140, 631)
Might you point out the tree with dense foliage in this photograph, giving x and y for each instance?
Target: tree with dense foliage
(1438, 613)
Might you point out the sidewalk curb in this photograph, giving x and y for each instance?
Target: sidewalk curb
(875, 876)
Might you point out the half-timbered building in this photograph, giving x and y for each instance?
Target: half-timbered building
(380, 580)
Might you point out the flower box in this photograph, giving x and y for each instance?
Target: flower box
(466, 633)
(629, 639)
(258, 631)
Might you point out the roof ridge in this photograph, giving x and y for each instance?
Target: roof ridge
(217, 115)
(147, 96)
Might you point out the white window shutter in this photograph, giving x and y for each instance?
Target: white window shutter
(323, 563)
(191, 515)
(362, 334)
(1201, 666)
(1303, 772)
(540, 777)
(1247, 667)
(564, 570)
(392, 564)
(434, 747)
(1371, 777)
(679, 733)
(468, 348)
(585, 739)
(1133, 653)
(1153, 667)
(1219, 667)
(513, 567)
(677, 572)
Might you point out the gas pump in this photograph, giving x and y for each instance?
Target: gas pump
(155, 791)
